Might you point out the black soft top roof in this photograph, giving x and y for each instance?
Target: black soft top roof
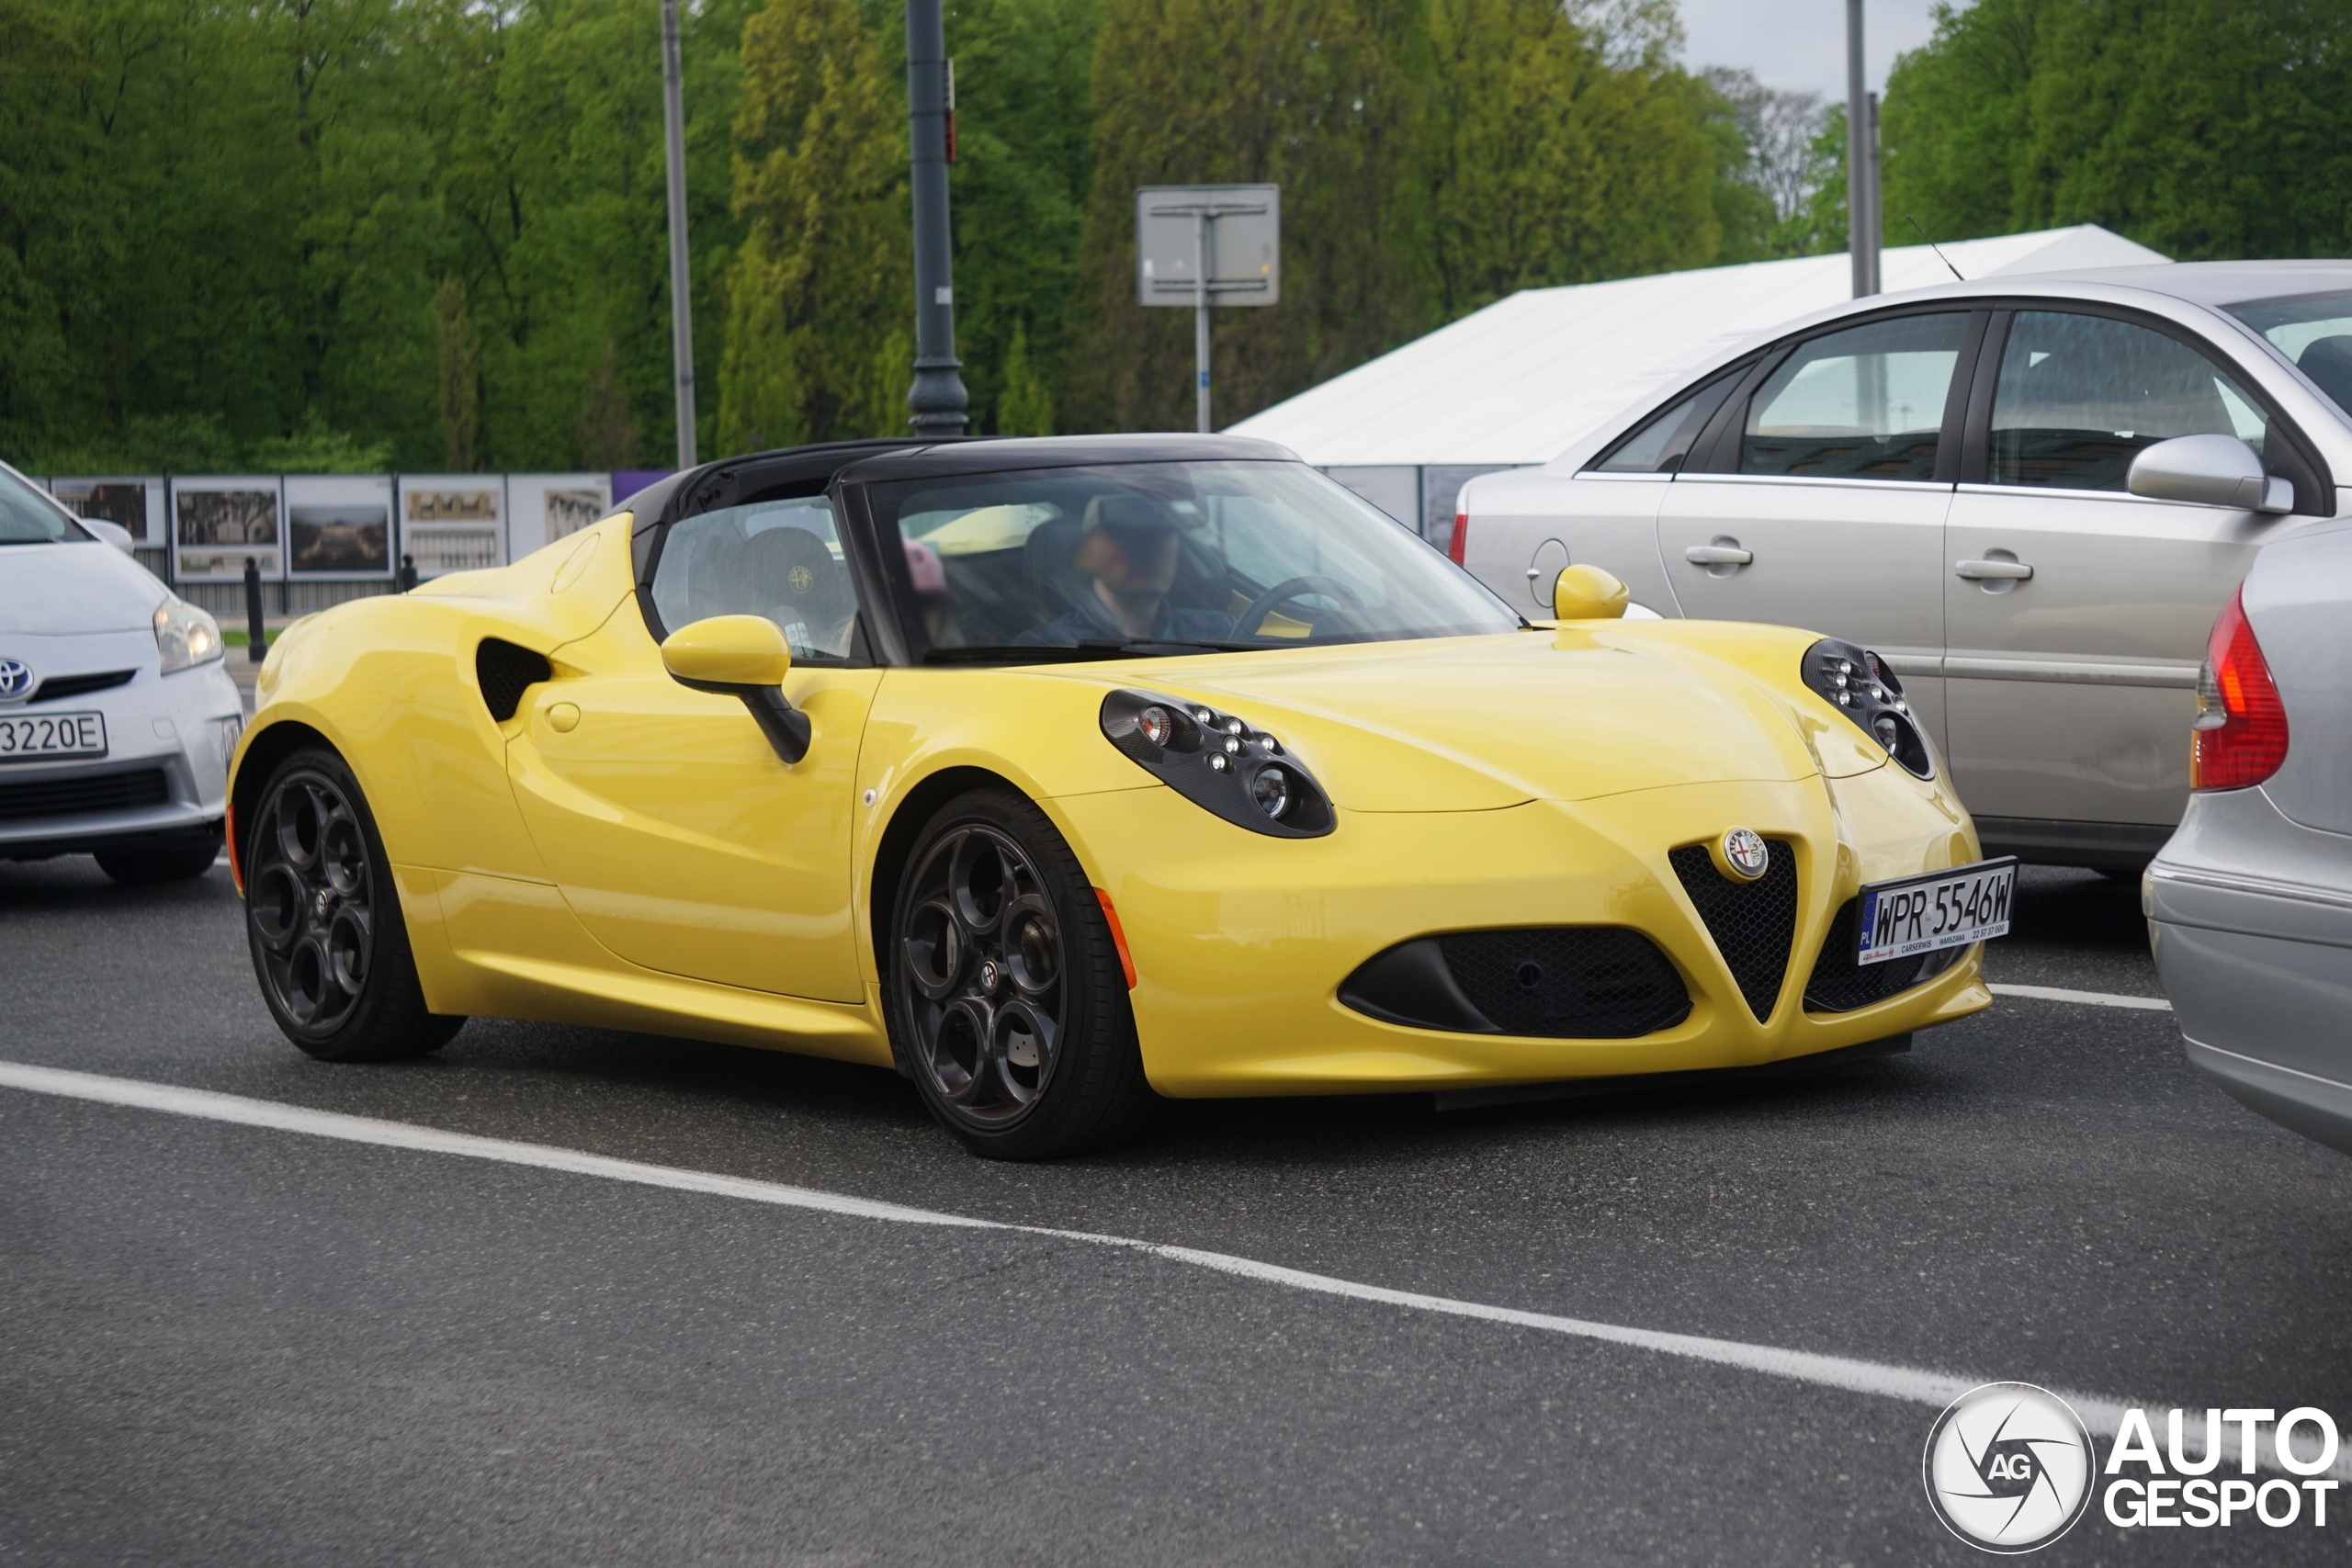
(893, 458)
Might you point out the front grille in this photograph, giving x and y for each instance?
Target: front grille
(506, 671)
(1568, 982)
(1753, 922)
(1838, 984)
(68, 798)
(58, 686)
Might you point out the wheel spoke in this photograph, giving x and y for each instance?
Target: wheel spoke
(935, 947)
(1033, 945)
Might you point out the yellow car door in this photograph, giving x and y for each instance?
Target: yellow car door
(678, 837)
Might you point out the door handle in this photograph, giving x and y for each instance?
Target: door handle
(1717, 555)
(1993, 570)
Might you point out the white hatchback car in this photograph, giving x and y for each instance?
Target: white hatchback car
(1986, 484)
(117, 719)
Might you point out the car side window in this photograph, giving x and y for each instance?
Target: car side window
(1864, 403)
(1661, 445)
(781, 559)
(2079, 396)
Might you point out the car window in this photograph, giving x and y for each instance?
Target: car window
(2313, 330)
(2079, 396)
(1254, 553)
(781, 559)
(28, 518)
(1661, 445)
(1864, 403)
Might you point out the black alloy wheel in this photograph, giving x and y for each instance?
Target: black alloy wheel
(1007, 998)
(324, 922)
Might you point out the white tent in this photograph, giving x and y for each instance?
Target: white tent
(1519, 380)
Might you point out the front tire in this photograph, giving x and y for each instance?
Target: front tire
(145, 868)
(1007, 998)
(323, 919)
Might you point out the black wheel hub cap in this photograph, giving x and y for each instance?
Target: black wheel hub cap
(310, 902)
(981, 966)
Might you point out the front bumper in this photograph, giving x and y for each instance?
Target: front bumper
(2250, 917)
(1242, 942)
(163, 783)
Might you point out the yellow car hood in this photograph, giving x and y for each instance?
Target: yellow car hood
(1471, 723)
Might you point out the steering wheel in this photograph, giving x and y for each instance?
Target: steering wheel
(1246, 623)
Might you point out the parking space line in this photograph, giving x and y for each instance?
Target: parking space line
(1912, 1384)
(2094, 999)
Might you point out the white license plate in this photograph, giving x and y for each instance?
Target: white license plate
(1913, 915)
(26, 737)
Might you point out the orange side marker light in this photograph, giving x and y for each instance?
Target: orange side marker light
(1118, 938)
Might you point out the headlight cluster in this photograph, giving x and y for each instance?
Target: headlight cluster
(1219, 763)
(1863, 686)
(185, 635)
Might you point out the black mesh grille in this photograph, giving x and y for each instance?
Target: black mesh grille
(1752, 923)
(505, 671)
(1838, 984)
(66, 797)
(1568, 982)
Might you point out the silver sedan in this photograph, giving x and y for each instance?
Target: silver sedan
(2032, 494)
(2250, 904)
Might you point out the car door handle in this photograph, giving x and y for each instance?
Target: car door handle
(1993, 570)
(1717, 555)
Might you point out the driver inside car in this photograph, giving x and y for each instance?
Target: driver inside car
(1126, 556)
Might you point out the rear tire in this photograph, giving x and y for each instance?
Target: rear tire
(1006, 998)
(322, 920)
(142, 868)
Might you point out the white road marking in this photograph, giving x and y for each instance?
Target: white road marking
(1912, 1384)
(2096, 998)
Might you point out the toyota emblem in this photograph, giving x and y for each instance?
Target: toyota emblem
(15, 680)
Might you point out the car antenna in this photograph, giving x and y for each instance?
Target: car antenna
(1931, 245)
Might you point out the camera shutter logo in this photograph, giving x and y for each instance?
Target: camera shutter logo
(15, 680)
(2009, 1467)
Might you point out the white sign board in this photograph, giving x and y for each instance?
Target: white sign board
(135, 503)
(217, 523)
(1243, 235)
(338, 526)
(453, 522)
(543, 508)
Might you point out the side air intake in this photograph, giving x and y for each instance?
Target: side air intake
(1550, 982)
(1838, 984)
(506, 671)
(1753, 923)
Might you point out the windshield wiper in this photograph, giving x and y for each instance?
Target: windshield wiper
(1147, 644)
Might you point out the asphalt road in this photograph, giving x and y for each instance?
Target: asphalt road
(236, 1344)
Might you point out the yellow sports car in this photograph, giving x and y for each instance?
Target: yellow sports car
(1057, 774)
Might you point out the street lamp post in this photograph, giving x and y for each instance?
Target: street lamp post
(682, 317)
(937, 398)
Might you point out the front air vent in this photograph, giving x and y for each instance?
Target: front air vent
(58, 686)
(73, 797)
(1753, 923)
(1548, 982)
(1838, 984)
(506, 671)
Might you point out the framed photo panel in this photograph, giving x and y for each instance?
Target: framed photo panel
(453, 522)
(134, 502)
(338, 527)
(543, 508)
(218, 522)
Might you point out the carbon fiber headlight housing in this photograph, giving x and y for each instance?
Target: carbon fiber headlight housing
(1861, 685)
(1219, 763)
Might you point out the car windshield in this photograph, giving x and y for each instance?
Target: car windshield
(2314, 331)
(1165, 558)
(28, 518)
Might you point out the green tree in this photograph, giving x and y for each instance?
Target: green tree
(823, 274)
(1027, 407)
(2202, 128)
